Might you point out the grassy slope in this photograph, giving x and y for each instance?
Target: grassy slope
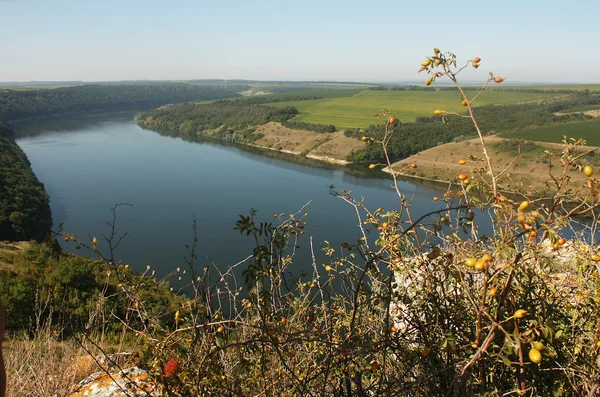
(588, 130)
(333, 147)
(528, 172)
(359, 110)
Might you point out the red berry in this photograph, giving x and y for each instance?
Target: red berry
(170, 368)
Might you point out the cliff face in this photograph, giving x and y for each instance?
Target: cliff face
(24, 204)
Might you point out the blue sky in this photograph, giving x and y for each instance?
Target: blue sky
(526, 40)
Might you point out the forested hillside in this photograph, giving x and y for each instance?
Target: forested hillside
(24, 204)
(187, 118)
(15, 105)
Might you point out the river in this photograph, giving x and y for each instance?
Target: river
(89, 164)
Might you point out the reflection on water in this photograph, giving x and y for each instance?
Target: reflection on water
(75, 122)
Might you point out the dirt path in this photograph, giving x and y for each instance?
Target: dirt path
(594, 113)
(360, 93)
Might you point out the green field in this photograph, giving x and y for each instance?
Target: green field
(359, 109)
(588, 130)
(578, 87)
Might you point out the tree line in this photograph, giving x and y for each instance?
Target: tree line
(17, 105)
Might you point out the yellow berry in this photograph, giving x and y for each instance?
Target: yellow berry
(521, 313)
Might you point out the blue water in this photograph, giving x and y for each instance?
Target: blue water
(88, 167)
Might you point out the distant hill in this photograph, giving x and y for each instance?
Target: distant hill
(28, 104)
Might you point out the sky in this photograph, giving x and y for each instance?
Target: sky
(370, 41)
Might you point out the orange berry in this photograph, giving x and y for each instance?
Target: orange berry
(462, 162)
(436, 198)
(428, 82)
(464, 102)
(498, 79)
(413, 165)
(437, 112)
(476, 59)
(463, 177)
(426, 63)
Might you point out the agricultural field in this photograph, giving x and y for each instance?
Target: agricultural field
(588, 130)
(359, 109)
(578, 87)
(295, 87)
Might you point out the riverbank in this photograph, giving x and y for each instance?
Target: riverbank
(329, 147)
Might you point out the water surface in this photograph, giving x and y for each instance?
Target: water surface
(89, 166)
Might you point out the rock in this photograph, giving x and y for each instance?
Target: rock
(129, 382)
(86, 365)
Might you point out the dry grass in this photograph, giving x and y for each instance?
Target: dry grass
(332, 147)
(528, 172)
(43, 366)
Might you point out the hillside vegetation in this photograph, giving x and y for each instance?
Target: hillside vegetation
(40, 280)
(24, 204)
(15, 105)
(232, 118)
